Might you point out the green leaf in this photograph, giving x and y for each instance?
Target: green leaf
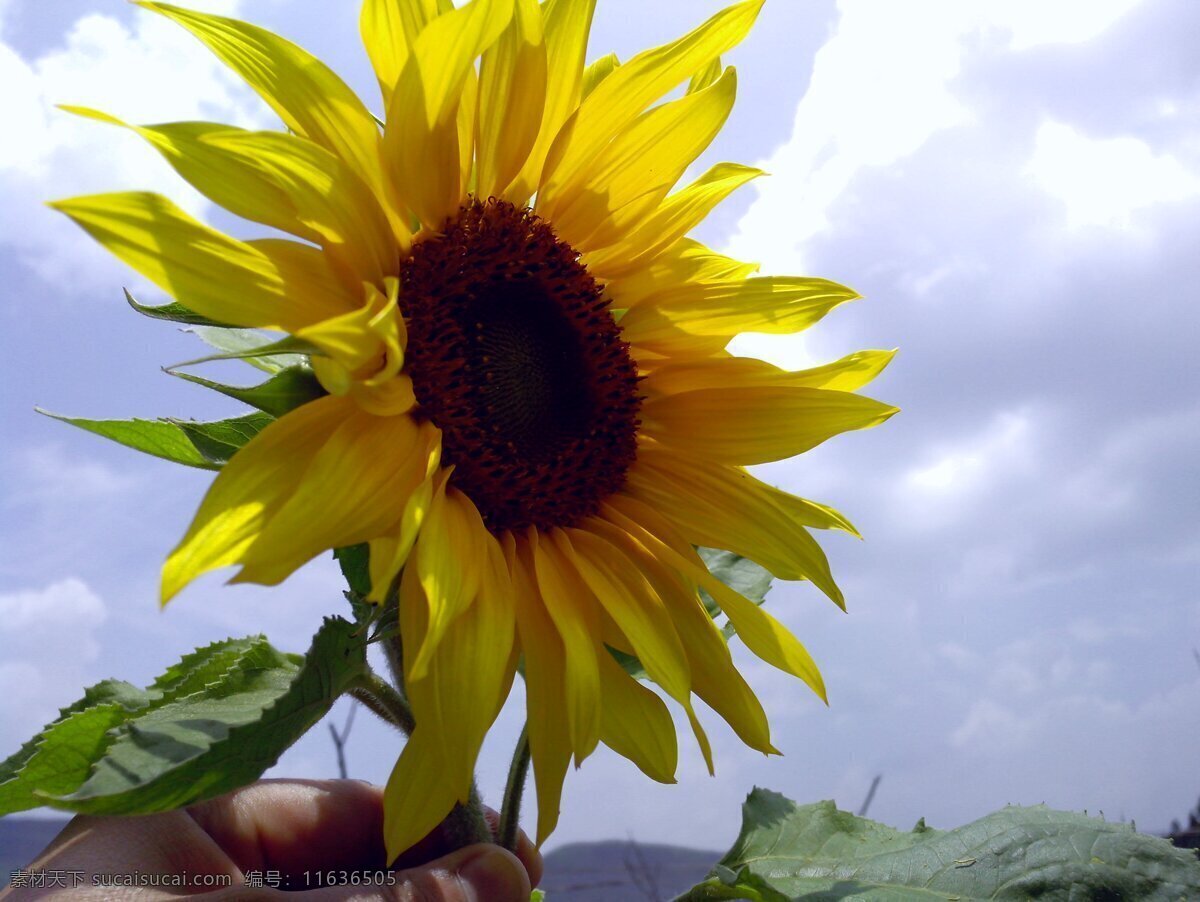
(174, 312)
(739, 573)
(355, 561)
(259, 349)
(203, 445)
(211, 723)
(286, 390)
(789, 851)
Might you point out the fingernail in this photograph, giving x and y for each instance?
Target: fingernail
(495, 875)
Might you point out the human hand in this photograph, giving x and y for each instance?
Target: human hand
(302, 829)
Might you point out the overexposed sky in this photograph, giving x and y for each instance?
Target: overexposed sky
(1015, 189)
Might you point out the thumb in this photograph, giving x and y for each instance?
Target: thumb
(480, 873)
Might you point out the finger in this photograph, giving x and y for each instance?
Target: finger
(439, 841)
(480, 873)
(526, 851)
(294, 826)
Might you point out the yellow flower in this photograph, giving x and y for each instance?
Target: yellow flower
(531, 417)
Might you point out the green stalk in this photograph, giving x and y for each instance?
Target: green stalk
(385, 702)
(514, 791)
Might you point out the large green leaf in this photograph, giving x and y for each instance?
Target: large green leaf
(816, 852)
(739, 573)
(204, 445)
(284, 391)
(211, 723)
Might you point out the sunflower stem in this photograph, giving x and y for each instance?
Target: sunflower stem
(383, 700)
(466, 824)
(514, 791)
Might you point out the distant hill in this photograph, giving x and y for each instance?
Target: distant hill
(22, 838)
(632, 872)
(580, 872)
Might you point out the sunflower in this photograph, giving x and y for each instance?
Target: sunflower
(530, 416)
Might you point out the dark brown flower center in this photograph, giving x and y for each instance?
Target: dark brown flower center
(514, 355)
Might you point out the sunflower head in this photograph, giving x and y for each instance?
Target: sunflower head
(528, 413)
(516, 357)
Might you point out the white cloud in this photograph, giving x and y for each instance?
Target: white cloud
(1105, 181)
(881, 87)
(49, 637)
(153, 71)
(878, 91)
(64, 607)
(952, 474)
(48, 475)
(1031, 23)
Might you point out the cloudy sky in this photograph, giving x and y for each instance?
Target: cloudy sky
(1013, 185)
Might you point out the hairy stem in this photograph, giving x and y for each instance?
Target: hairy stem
(383, 700)
(514, 791)
(466, 824)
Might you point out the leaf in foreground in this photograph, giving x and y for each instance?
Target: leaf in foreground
(815, 852)
(210, 724)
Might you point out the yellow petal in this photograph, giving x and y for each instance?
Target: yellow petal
(847, 374)
(450, 563)
(545, 697)
(632, 175)
(280, 180)
(315, 289)
(308, 96)
(756, 425)
(420, 792)
(421, 141)
(598, 71)
(389, 28)
(469, 673)
(772, 304)
(389, 552)
(632, 603)
(629, 90)
(325, 195)
(217, 276)
(714, 678)
(635, 723)
(566, 24)
(365, 342)
(705, 76)
(762, 633)
(685, 262)
(256, 482)
(512, 97)
(725, 507)
(674, 218)
(349, 493)
(571, 608)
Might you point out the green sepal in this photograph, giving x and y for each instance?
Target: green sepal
(257, 348)
(173, 312)
(210, 724)
(286, 390)
(271, 357)
(787, 851)
(207, 446)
